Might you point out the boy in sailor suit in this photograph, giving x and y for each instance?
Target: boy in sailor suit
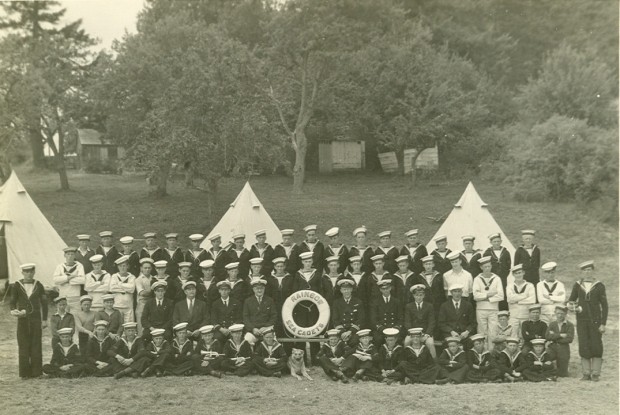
(123, 285)
(550, 292)
(97, 282)
(336, 249)
(415, 251)
(69, 277)
(331, 356)
(269, 355)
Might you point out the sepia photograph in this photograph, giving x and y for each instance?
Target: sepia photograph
(309, 206)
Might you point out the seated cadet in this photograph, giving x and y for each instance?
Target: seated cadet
(182, 359)
(239, 288)
(453, 362)
(361, 279)
(61, 319)
(551, 292)
(457, 317)
(512, 362)
(190, 310)
(433, 284)
(418, 366)
(126, 351)
(237, 353)
(157, 313)
(225, 312)
(519, 295)
(259, 312)
(269, 355)
(358, 363)
(534, 328)
(420, 313)
(503, 329)
(386, 312)
(114, 317)
(347, 313)
(390, 356)
(158, 350)
(67, 362)
(206, 285)
(539, 364)
(561, 333)
(162, 276)
(331, 356)
(481, 367)
(98, 350)
(208, 353)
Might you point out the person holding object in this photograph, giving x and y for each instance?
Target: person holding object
(589, 300)
(29, 307)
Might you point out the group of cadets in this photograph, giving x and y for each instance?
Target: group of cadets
(397, 315)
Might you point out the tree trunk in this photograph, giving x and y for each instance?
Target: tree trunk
(36, 146)
(212, 185)
(60, 159)
(414, 175)
(162, 180)
(189, 174)
(400, 159)
(299, 171)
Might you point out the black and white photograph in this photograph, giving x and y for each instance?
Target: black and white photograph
(309, 206)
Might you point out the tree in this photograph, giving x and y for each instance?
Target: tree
(37, 34)
(304, 43)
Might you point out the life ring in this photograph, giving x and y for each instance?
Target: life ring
(294, 328)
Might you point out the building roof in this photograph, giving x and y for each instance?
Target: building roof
(90, 137)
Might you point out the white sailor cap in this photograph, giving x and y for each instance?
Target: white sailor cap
(232, 265)
(417, 287)
(528, 232)
(549, 266)
(440, 238)
(162, 263)
(305, 255)
(287, 232)
(206, 329)
(502, 313)
(412, 232)
(27, 266)
(415, 331)
(333, 258)
(59, 298)
(145, 260)
(494, 235)
(148, 235)
(65, 330)
(101, 323)
(122, 260)
(332, 332)
(180, 326)
(310, 228)
(86, 298)
(428, 258)
(239, 235)
(391, 332)
(484, 260)
(279, 260)
(107, 297)
(130, 325)
(223, 284)
(332, 232)
(363, 332)
(355, 258)
(69, 249)
(456, 286)
(157, 332)
(378, 257)
(478, 336)
(538, 342)
(207, 263)
(345, 281)
(236, 327)
(360, 229)
(384, 282)
(185, 264)
(384, 234)
(454, 255)
(260, 232)
(196, 237)
(402, 258)
(518, 267)
(83, 237)
(466, 238)
(215, 236)
(105, 234)
(534, 307)
(586, 264)
(453, 340)
(256, 261)
(172, 235)
(512, 340)
(126, 240)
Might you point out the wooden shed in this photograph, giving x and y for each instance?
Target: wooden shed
(92, 147)
(341, 156)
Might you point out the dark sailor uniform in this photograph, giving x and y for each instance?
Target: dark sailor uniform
(267, 254)
(29, 327)
(318, 253)
(327, 353)
(486, 371)
(330, 289)
(220, 259)
(539, 368)
(100, 350)
(291, 254)
(510, 365)
(174, 258)
(134, 351)
(195, 257)
(352, 364)
(243, 258)
(415, 254)
(560, 346)
(57, 322)
(207, 291)
(211, 353)
(84, 259)
(472, 265)
(233, 351)
(593, 314)
(390, 255)
(182, 358)
(500, 266)
(418, 365)
(453, 367)
(531, 263)
(262, 351)
(441, 261)
(154, 360)
(342, 252)
(532, 330)
(365, 253)
(155, 254)
(109, 258)
(388, 361)
(62, 356)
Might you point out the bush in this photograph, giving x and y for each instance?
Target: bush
(564, 159)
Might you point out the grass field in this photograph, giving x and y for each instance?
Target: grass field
(123, 205)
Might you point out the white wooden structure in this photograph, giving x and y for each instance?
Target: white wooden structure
(341, 155)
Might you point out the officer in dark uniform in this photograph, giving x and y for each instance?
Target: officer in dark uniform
(225, 311)
(29, 306)
(386, 312)
(157, 313)
(347, 313)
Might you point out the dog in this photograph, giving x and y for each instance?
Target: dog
(297, 366)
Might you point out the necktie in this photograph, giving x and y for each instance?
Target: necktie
(225, 303)
(456, 306)
(159, 304)
(191, 306)
(386, 300)
(419, 307)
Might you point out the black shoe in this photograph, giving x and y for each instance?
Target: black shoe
(147, 372)
(334, 378)
(277, 375)
(442, 381)
(586, 377)
(596, 378)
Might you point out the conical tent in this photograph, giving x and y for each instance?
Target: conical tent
(28, 235)
(245, 215)
(470, 216)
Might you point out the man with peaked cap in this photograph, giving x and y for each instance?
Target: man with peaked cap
(336, 249)
(218, 255)
(151, 249)
(470, 256)
(404, 277)
(533, 328)
(331, 356)
(172, 254)
(500, 262)
(69, 278)
(133, 259)
(123, 286)
(225, 312)
(330, 279)
(386, 312)
(521, 295)
(487, 292)
(29, 306)
(261, 249)
(206, 285)
(127, 350)
(432, 282)
(239, 288)
(415, 251)
(457, 317)
(440, 253)
(362, 249)
(420, 313)
(362, 280)
(97, 282)
(588, 299)
(550, 292)
(61, 319)
(67, 362)
(528, 254)
(269, 356)
(143, 289)
(190, 310)
(259, 312)
(389, 251)
(347, 313)
(237, 253)
(289, 250)
(157, 313)
(84, 252)
(195, 254)
(312, 244)
(457, 275)
(560, 334)
(108, 251)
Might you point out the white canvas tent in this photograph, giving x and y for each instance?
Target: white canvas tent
(245, 215)
(470, 216)
(28, 235)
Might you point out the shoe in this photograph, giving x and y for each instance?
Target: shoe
(216, 373)
(135, 375)
(596, 378)
(344, 379)
(586, 377)
(442, 381)
(160, 373)
(365, 378)
(119, 375)
(277, 375)
(407, 381)
(147, 372)
(335, 378)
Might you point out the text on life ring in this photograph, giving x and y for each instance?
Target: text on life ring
(296, 298)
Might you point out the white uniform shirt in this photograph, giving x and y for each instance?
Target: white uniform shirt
(69, 285)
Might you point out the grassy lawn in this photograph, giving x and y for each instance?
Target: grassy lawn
(122, 204)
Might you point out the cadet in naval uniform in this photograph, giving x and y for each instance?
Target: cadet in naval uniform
(196, 254)
(108, 251)
(500, 263)
(389, 251)
(261, 249)
(528, 254)
(415, 251)
(336, 249)
(69, 277)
